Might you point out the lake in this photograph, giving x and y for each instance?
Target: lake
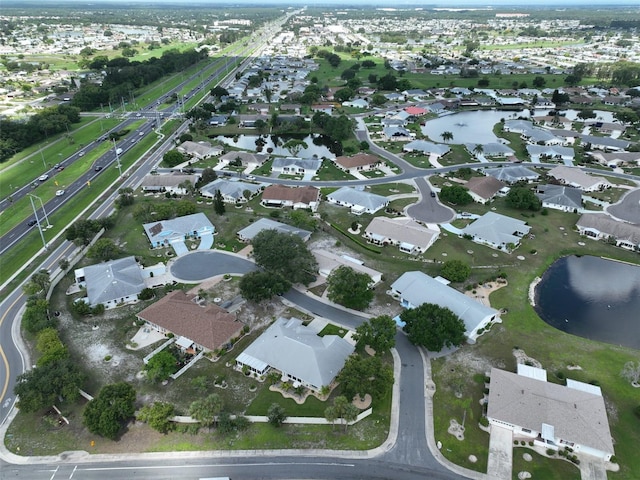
(469, 127)
(592, 298)
(317, 146)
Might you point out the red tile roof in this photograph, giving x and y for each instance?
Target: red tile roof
(359, 160)
(306, 194)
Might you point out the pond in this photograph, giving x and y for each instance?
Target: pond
(317, 146)
(469, 127)
(592, 298)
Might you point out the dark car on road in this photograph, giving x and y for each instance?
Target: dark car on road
(433, 194)
(98, 168)
(31, 223)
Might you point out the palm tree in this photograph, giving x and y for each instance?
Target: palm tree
(478, 150)
(446, 136)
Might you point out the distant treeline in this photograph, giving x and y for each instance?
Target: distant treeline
(124, 76)
(17, 135)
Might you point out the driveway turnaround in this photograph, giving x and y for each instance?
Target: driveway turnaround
(628, 208)
(500, 453)
(197, 266)
(428, 209)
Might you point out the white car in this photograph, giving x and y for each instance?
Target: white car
(42, 178)
(59, 193)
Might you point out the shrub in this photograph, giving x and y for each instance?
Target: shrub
(551, 452)
(523, 443)
(560, 375)
(531, 443)
(484, 421)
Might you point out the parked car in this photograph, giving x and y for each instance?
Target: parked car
(433, 194)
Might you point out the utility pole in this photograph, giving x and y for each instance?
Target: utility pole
(35, 212)
(115, 149)
(44, 212)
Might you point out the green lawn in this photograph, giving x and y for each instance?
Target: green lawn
(543, 468)
(331, 329)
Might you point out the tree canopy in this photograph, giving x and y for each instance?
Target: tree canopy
(433, 327)
(276, 414)
(361, 375)
(104, 249)
(350, 288)
(160, 366)
(206, 410)
(455, 270)
(379, 333)
(172, 158)
(259, 285)
(157, 416)
(455, 194)
(523, 198)
(106, 414)
(285, 254)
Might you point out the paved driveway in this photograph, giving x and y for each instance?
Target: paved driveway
(628, 208)
(428, 209)
(592, 468)
(500, 463)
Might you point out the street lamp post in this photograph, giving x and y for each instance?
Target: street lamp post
(44, 212)
(117, 157)
(35, 212)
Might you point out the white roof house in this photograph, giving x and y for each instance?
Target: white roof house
(560, 197)
(358, 200)
(112, 283)
(497, 231)
(174, 232)
(575, 177)
(491, 149)
(247, 233)
(296, 166)
(428, 148)
(600, 226)
(199, 149)
(410, 236)
(232, 191)
(167, 183)
(298, 353)
(542, 153)
(416, 288)
(554, 416)
(328, 261)
(512, 174)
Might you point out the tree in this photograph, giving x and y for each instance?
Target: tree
(103, 250)
(160, 366)
(331, 415)
(446, 136)
(157, 416)
(294, 146)
(523, 198)
(64, 264)
(539, 82)
(218, 203)
(206, 410)
(50, 346)
(36, 316)
(455, 270)
(106, 414)
(38, 284)
(455, 194)
(259, 285)
(43, 386)
(378, 332)
(303, 219)
(350, 288)
(361, 375)
(207, 176)
(342, 409)
(586, 114)
(478, 150)
(125, 198)
(219, 92)
(559, 98)
(172, 158)
(433, 327)
(276, 415)
(631, 372)
(285, 254)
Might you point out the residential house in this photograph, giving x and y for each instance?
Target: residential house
(606, 144)
(575, 177)
(200, 150)
(174, 232)
(356, 103)
(248, 233)
(427, 148)
(358, 200)
(360, 162)
(512, 174)
(232, 190)
(297, 353)
(497, 231)
(415, 288)
(544, 153)
(407, 234)
(196, 327)
(306, 197)
(553, 416)
(484, 189)
(560, 197)
(218, 120)
(600, 226)
(111, 283)
(616, 159)
(245, 159)
(329, 261)
(173, 183)
(490, 150)
(296, 166)
(397, 134)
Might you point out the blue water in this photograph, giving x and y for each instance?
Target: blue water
(592, 298)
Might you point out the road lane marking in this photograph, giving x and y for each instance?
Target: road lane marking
(2, 354)
(219, 465)
(54, 473)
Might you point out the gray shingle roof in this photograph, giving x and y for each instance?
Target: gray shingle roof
(427, 147)
(560, 195)
(230, 188)
(287, 345)
(351, 196)
(178, 227)
(497, 229)
(113, 280)
(576, 416)
(254, 228)
(304, 163)
(512, 174)
(418, 288)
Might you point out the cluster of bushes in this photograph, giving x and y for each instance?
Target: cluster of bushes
(362, 244)
(83, 308)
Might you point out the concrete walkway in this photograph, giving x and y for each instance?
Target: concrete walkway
(592, 468)
(500, 463)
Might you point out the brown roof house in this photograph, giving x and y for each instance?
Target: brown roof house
(294, 197)
(361, 162)
(201, 328)
(484, 189)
